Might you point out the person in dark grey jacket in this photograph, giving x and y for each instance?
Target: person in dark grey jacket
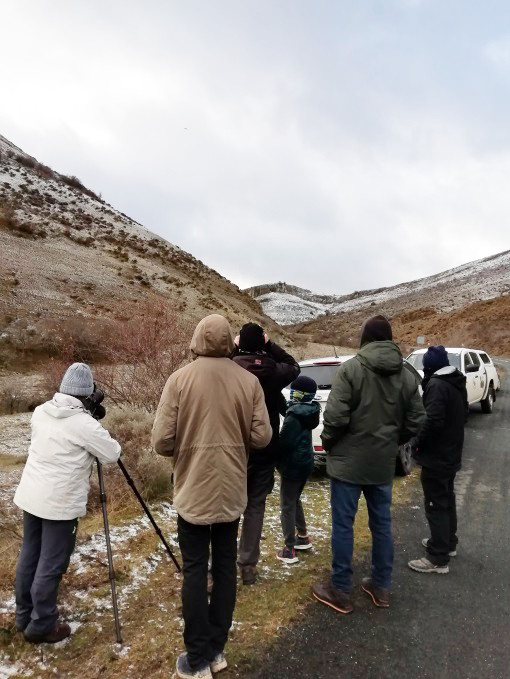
(275, 369)
(374, 406)
(438, 449)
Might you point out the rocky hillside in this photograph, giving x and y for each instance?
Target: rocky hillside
(65, 253)
(468, 305)
(483, 279)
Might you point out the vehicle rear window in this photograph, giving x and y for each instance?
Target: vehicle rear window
(322, 374)
(416, 360)
(485, 358)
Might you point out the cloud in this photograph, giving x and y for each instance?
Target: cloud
(337, 146)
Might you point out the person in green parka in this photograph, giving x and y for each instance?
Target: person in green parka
(296, 464)
(374, 406)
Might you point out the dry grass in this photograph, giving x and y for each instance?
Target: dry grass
(152, 626)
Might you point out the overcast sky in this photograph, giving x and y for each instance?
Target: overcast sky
(337, 145)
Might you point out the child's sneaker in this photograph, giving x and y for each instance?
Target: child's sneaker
(287, 555)
(303, 542)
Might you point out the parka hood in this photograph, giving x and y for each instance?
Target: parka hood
(63, 405)
(451, 375)
(382, 357)
(304, 410)
(212, 337)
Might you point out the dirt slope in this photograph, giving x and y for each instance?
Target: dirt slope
(64, 252)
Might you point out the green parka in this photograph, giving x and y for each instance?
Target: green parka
(374, 406)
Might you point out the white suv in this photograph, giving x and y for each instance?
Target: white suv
(482, 379)
(323, 371)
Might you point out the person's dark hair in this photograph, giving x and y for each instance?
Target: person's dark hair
(251, 337)
(376, 329)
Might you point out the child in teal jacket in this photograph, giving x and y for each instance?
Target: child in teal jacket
(296, 464)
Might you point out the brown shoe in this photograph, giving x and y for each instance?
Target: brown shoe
(60, 631)
(248, 575)
(380, 597)
(329, 595)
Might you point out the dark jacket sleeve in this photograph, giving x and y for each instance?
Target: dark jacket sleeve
(435, 400)
(337, 415)
(287, 368)
(413, 418)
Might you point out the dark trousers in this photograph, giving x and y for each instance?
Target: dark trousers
(43, 560)
(206, 623)
(441, 513)
(260, 484)
(344, 505)
(292, 515)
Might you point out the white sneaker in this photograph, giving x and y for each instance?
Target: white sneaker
(184, 671)
(425, 542)
(425, 566)
(219, 663)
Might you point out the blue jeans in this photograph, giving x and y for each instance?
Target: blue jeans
(344, 505)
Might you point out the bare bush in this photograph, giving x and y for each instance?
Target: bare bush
(142, 355)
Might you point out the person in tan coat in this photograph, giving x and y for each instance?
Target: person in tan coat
(211, 413)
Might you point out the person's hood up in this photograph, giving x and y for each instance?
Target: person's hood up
(63, 405)
(303, 410)
(451, 375)
(212, 337)
(383, 357)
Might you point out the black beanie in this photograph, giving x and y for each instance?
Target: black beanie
(434, 359)
(251, 337)
(376, 329)
(304, 384)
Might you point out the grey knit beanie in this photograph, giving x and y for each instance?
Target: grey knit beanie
(77, 381)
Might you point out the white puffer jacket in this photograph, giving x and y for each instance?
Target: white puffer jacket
(66, 440)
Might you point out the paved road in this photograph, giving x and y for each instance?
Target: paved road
(438, 626)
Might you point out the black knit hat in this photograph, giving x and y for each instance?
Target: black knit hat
(251, 337)
(304, 384)
(376, 329)
(434, 359)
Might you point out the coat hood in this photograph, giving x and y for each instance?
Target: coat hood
(63, 405)
(382, 357)
(212, 337)
(451, 375)
(304, 411)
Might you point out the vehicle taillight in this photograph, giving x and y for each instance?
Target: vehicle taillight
(318, 449)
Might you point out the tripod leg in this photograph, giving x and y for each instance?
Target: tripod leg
(111, 572)
(148, 513)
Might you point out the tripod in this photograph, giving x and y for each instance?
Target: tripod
(111, 571)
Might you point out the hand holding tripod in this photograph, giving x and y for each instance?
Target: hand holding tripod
(111, 571)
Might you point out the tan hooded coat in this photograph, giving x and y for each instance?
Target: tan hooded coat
(210, 414)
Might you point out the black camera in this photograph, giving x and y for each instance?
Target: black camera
(93, 403)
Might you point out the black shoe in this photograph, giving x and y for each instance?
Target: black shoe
(60, 631)
(248, 575)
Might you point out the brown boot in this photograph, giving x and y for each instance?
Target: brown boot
(60, 631)
(380, 597)
(248, 575)
(329, 595)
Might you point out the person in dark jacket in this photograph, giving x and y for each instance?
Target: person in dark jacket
(374, 405)
(296, 464)
(275, 369)
(438, 449)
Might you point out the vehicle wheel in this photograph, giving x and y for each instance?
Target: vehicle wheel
(488, 402)
(404, 461)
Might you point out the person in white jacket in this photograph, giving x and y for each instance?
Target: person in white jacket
(66, 441)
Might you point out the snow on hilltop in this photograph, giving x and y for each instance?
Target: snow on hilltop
(480, 280)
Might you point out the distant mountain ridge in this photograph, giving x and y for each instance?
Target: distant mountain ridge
(483, 279)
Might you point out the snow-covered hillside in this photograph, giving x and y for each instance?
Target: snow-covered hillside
(65, 251)
(476, 281)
